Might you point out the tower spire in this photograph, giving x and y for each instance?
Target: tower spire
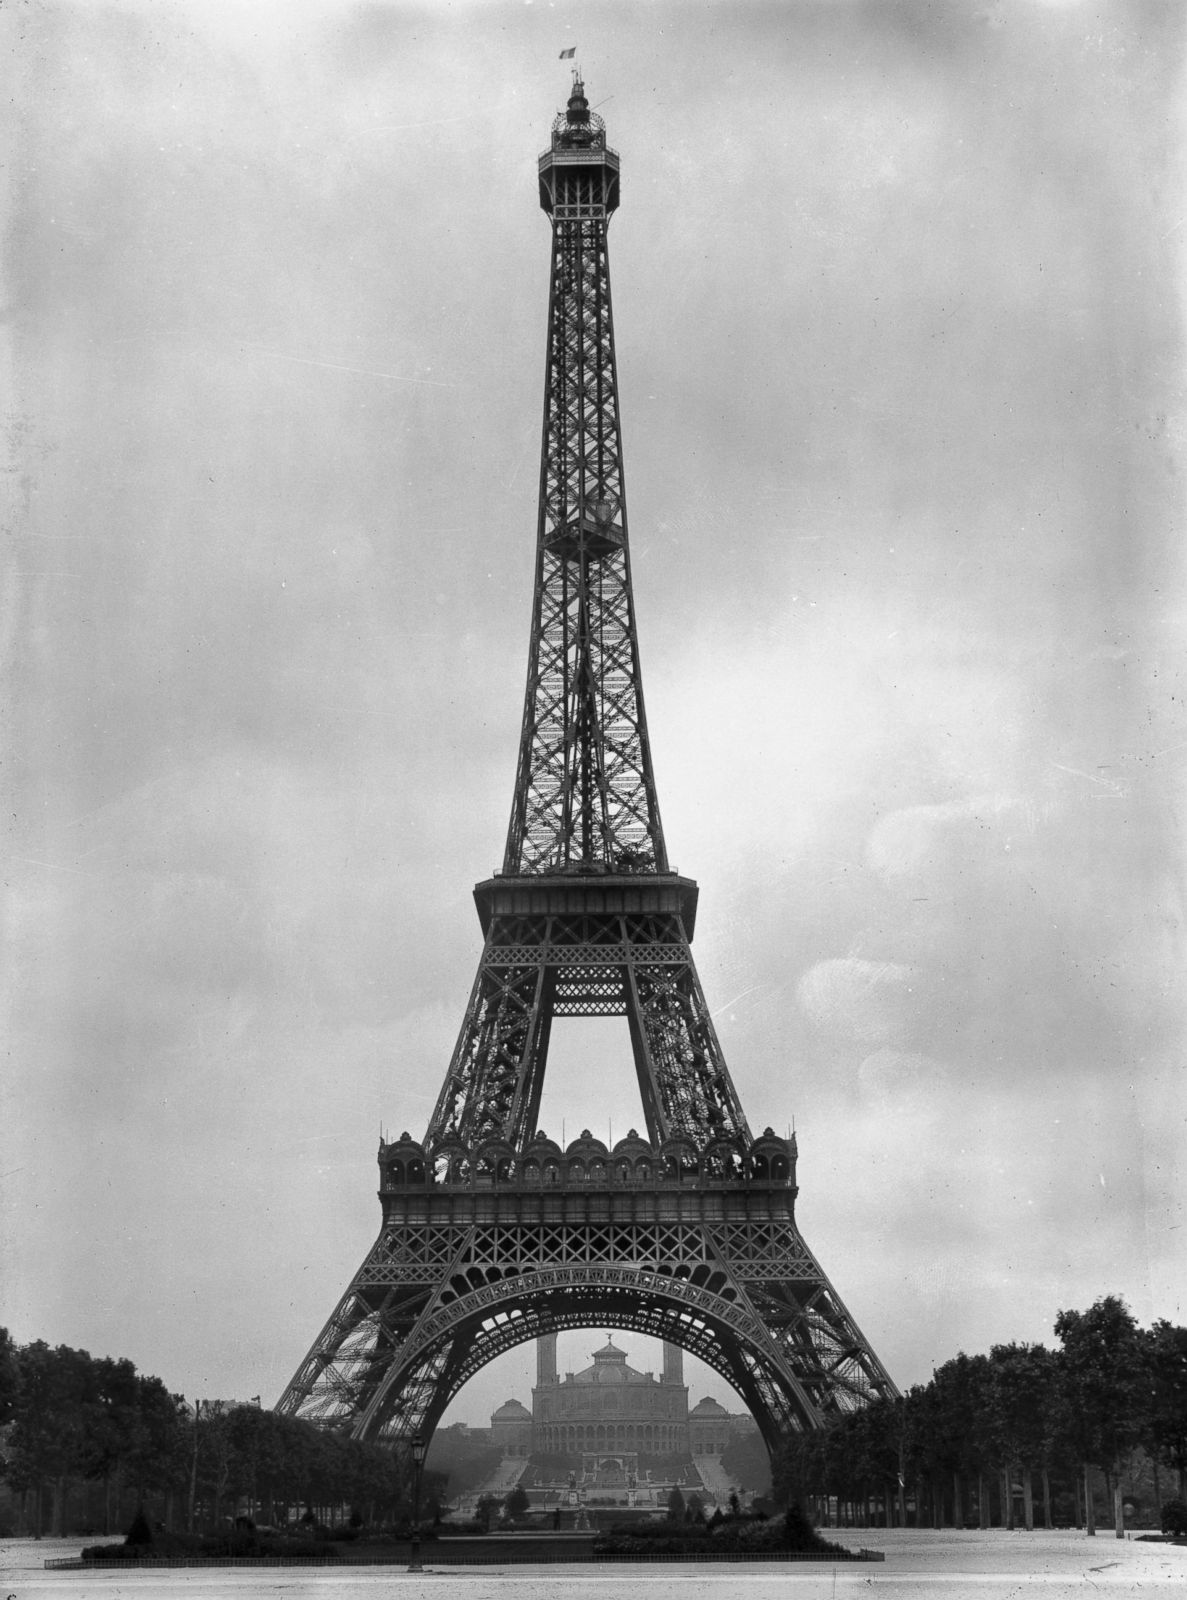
(585, 795)
(578, 104)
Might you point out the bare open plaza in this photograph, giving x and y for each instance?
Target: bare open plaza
(990, 1566)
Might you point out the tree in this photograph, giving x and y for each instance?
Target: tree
(675, 1504)
(10, 1378)
(1165, 1430)
(75, 1418)
(875, 1453)
(1105, 1384)
(487, 1509)
(1021, 1387)
(746, 1461)
(793, 1468)
(110, 1425)
(215, 1454)
(517, 1503)
(914, 1449)
(960, 1389)
(48, 1432)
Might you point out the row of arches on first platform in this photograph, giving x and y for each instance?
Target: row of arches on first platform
(587, 1161)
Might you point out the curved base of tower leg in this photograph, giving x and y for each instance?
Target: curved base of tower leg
(353, 1352)
(464, 1271)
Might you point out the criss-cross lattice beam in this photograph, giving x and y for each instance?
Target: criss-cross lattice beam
(584, 794)
(586, 964)
(483, 1248)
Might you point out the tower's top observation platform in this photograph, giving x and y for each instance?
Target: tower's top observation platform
(579, 172)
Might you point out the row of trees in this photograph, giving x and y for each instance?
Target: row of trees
(84, 1441)
(992, 1427)
(87, 1440)
(68, 1418)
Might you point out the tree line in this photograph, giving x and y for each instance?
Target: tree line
(86, 1441)
(1020, 1434)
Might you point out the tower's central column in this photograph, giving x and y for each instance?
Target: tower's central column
(584, 795)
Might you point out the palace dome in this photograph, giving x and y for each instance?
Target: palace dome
(609, 1366)
(511, 1411)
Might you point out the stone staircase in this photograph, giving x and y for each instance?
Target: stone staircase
(499, 1484)
(718, 1483)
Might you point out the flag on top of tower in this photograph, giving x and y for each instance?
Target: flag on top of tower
(567, 55)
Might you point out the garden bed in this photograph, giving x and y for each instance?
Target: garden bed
(475, 1553)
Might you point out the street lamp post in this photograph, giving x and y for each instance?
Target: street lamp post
(418, 1460)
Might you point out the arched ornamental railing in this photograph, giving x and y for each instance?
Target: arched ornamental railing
(588, 1163)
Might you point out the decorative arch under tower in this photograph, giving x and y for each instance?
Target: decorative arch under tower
(491, 1234)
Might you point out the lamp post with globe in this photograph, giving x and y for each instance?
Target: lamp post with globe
(419, 1447)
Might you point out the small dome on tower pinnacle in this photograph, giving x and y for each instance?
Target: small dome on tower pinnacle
(578, 104)
(577, 127)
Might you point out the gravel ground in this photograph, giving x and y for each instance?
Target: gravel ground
(948, 1566)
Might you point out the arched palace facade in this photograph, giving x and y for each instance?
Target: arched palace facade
(609, 1407)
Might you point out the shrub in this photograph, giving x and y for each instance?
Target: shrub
(649, 1532)
(799, 1534)
(140, 1532)
(626, 1544)
(517, 1503)
(112, 1552)
(237, 1542)
(162, 1544)
(285, 1544)
(1174, 1519)
(792, 1532)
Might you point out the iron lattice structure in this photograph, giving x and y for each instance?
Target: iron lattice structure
(491, 1234)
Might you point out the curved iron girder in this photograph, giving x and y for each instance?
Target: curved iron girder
(670, 1240)
(457, 1340)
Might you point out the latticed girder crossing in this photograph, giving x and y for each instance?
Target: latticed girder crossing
(483, 1249)
(586, 963)
(584, 795)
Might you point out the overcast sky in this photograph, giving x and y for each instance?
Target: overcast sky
(898, 302)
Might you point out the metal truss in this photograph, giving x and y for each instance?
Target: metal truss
(584, 796)
(482, 1249)
(586, 964)
(491, 1233)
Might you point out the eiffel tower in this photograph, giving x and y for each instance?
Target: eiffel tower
(491, 1234)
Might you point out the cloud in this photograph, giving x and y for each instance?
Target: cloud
(863, 1001)
(919, 842)
(902, 1083)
